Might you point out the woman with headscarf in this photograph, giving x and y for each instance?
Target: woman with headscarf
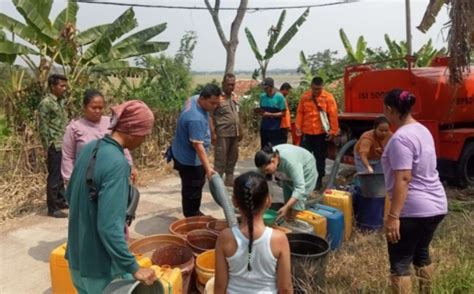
(92, 125)
(96, 248)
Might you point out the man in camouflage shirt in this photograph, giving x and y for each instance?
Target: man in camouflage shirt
(225, 131)
(52, 124)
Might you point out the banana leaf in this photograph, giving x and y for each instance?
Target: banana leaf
(391, 47)
(9, 51)
(36, 14)
(25, 32)
(291, 32)
(253, 44)
(347, 46)
(274, 34)
(122, 25)
(68, 15)
(92, 34)
(131, 50)
(142, 36)
(430, 15)
(361, 49)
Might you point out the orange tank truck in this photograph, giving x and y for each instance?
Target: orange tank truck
(446, 109)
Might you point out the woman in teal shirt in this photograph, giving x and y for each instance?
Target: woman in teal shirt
(298, 173)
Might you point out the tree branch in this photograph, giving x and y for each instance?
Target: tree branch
(234, 29)
(215, 18)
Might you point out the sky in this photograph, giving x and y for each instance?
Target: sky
(370, 18)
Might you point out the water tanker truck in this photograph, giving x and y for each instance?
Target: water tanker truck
(446, 109)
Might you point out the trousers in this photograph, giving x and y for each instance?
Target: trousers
(226, 155)
(193, 179)
(414, 244)
(54, 183)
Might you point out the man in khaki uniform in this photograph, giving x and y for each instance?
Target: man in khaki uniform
(225, 131)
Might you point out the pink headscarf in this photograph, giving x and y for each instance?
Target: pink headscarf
(132, 117)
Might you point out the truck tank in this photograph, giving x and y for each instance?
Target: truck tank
(437, 99)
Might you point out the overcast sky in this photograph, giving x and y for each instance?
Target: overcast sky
(370, 18)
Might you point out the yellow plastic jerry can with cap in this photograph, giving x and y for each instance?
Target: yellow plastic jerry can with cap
(341, 200)
(170, 278)
(61, 281)
(318, 222)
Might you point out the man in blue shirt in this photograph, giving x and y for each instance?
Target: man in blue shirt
(190, 146)
(272, 108)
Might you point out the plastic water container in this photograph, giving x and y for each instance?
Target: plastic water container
(335, 223)
(60, 277)
(170, 278)
(61, 281)
(317, 221)
(341, 200)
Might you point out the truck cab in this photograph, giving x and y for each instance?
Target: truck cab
(446, 109)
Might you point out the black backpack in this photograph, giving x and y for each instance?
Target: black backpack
(133, 193)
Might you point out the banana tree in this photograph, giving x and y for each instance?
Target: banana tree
(357, 56)
(59, 42)
(275, 44)
(84, 56)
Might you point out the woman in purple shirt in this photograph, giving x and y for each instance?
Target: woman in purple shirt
(418, 199)
(93, 125)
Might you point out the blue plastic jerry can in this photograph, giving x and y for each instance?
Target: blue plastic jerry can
(335, 223)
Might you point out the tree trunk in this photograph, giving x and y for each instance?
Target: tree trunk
(230, 59)
(231, 44)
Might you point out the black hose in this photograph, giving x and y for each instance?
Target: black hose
(337, 162)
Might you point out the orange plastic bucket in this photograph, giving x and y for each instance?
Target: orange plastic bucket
(146, 246)
(205, 266)
(217, 226)
(183, 226)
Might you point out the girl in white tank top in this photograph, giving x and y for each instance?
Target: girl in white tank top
(253, 258)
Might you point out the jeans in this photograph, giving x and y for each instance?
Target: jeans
(193, 179)
(54, 182)
(413, 247)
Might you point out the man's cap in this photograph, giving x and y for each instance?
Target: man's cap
(268, 82)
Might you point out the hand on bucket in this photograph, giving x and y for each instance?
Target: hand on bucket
(145, 275)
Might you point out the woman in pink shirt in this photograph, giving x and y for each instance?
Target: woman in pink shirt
(93, 125)
(419, 201)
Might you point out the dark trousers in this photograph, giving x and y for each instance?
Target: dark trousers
(413, 247)
(284, 135)
(270, 136)
(193, 179)
(317, 145)
(54, 182)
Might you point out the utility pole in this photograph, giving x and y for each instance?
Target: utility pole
(408, 26)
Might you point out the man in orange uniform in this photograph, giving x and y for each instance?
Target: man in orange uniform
(317, 122)
(286, 118)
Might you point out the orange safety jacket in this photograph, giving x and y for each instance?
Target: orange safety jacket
(308, 119)
(286, 118)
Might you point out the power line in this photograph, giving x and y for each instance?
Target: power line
(221, 8)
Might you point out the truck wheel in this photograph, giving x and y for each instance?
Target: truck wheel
(465, 171)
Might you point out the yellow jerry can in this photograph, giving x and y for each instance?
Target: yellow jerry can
(318, 222)
(341, 200)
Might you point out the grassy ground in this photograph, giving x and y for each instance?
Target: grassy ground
(361, 265)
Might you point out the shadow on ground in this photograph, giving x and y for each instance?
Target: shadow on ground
(42, 251)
